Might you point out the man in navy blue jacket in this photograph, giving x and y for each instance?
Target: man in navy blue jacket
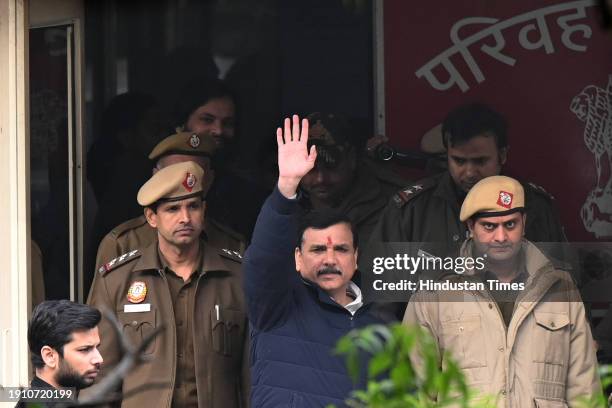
(297, 317)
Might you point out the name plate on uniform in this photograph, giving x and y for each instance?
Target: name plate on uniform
(142, 307)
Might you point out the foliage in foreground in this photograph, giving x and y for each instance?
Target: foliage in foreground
(392, 381)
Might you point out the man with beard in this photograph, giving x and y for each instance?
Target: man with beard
(191, 288)
(519, 333)
(300, 296)
(63, 340)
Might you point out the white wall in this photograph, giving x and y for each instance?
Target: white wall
(14, 194)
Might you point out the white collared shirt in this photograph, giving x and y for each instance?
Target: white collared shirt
(354, 306)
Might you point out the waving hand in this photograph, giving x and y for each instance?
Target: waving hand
(294, 159)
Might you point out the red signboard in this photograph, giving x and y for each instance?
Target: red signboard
(545, 65)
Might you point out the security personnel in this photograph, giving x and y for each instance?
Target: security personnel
(342, 178)
(518, 331)
(191, 288)
(137, 233)
(428, 211)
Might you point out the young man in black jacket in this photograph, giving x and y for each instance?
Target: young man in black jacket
(63, 340)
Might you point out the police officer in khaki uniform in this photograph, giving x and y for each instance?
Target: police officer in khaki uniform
(428, 211)
(137, 233)
(519, 333)
(191, 288)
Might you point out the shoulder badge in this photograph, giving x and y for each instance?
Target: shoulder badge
(120, 260)
(128, 225)
(230, 254)
(540, 190)
(408, 193)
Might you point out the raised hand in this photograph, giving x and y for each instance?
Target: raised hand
(294, 159)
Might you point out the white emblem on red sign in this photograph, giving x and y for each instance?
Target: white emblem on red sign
(194, 141)
(505, 199)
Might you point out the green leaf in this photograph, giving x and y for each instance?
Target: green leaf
(379, 364)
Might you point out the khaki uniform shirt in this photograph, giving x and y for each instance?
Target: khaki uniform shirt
(183, 300)
(216, 328)
(137, 233)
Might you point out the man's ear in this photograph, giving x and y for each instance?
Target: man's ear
(151, 217)
(49, 356)
(503, 156)
(298, 259)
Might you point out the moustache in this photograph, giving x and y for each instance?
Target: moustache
(328, 270)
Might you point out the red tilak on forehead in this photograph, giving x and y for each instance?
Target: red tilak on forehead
(329, 241)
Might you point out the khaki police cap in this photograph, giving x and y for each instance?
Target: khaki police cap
(493, 196)
(172, 183)
(184, 143)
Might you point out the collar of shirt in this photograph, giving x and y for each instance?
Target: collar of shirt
(164, 264)
(353, 291)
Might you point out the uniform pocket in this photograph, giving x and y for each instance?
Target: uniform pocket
(550, 337)
(137, 326)
(463, 339)
(227, 331)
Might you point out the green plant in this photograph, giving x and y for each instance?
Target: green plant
(393, 381)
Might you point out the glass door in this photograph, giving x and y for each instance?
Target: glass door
(56, 163)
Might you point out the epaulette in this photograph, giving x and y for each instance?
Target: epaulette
(540, 190)
(120, 260)
(229, 254)
(408, 193)
(128, 225)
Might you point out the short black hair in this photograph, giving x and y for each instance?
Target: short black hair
(198, 93)
(473, 119)
(321, 219)
(52, 324)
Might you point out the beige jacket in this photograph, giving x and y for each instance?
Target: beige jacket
(545, 358)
